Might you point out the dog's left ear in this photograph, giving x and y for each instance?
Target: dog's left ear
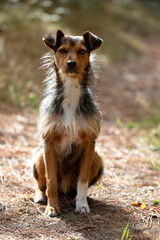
(92, 41)
(53, 40)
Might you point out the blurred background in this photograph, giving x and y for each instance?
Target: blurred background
(129, 79)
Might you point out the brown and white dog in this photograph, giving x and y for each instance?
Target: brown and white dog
(68, 123)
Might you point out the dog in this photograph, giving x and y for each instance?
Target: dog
(68, 123)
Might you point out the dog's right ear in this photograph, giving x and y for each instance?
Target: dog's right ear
(53, 40)
(92, 40)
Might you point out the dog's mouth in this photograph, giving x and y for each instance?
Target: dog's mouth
(71, 71)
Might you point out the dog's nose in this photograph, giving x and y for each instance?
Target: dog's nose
(71, 64)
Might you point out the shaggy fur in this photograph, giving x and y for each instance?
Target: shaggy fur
(68, 122)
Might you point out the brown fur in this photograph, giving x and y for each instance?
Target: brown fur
(67, 176)
(56, 170)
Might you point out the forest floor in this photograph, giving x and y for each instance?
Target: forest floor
(129, 191)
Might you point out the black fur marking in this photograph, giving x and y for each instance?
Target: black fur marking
(35, 173)
(74, 152)
(58, 101)
(98, 176)
(58, 45)
(86, 104)
(54, 94)
(87, 45)
(43, 188)
(72, 157)
(54, 91)
(56, 106)
(72, 41)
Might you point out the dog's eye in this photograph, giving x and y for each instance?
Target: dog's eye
(63, 51)
(81, 51)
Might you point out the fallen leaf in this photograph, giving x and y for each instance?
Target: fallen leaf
(101, 186)
(143, 206)
(136, 204)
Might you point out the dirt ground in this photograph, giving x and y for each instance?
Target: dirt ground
(129, 176)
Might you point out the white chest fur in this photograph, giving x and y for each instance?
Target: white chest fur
(69, 122)
(72, 93)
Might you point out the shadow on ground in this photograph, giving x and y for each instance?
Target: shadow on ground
(106, 221)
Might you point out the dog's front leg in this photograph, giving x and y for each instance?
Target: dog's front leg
(82, 186)
(51, 159)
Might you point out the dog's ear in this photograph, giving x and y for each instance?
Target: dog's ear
(53, 40)
(92, 41)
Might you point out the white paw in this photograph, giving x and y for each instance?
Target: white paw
(39, 198)
(82, 206)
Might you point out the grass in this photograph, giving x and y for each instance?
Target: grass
(155, 164)
(125, 235)
(149, 122)
(148, 131)
(151, 127)
(128, 125)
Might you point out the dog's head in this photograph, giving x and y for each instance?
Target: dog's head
(72, 52)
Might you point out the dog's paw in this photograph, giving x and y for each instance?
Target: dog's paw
(40, 198)
(82, 206)
(52, 212)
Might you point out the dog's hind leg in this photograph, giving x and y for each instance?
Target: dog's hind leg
(39, 174)
(96, 169)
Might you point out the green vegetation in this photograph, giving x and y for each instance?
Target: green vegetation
(155, 164)
(21, 50)
(128, 125)
(125, 235)
(23, 23)
(148, 130)
(156, 202)
(147, 122)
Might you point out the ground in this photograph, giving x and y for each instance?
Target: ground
(131, 165)
(127, 179)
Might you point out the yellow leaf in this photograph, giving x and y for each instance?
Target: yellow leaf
(101, 186)
(143, 206)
